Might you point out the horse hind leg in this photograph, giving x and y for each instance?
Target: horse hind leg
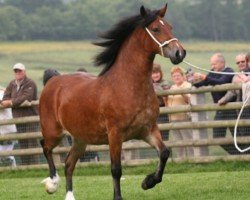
(155, 140)
(78, 148)
(48, 144)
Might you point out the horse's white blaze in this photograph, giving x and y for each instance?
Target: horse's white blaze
(161, 22)
(51, 185)
(69, 196)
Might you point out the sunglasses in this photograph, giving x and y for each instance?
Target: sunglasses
(243, 61)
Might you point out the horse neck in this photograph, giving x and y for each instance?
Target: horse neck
(133, 61)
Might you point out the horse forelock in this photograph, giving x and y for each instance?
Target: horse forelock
(114, 38)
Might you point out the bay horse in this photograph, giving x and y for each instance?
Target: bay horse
(118, 105)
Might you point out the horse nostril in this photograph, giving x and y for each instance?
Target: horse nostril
(184, 53)
(180, 55)
(177, 54)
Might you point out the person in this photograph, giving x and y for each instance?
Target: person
(218, 64)
(19, 90)
(160, 85)
(179, 80)
(241, 61)
(6, 129)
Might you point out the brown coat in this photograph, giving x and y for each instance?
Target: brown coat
(27, 91)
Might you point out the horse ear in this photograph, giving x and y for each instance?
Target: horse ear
(143, 11)
(163, 11)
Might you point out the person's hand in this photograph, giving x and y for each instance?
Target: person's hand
(242, 78)
(221, 102)
(199, 76)
(236, 79)
(6, 103)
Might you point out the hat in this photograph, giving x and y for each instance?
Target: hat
(19, 66)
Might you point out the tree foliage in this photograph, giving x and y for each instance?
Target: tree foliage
(84, 19)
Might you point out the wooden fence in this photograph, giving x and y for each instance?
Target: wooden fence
(137, 145)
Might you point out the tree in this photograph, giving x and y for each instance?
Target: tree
(12, 23)
(30, 6)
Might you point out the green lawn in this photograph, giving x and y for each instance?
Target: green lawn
(217, 181)
(205, 185)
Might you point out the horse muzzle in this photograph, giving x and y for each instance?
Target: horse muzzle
(175, 54)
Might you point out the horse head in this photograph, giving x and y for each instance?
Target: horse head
(160, 32)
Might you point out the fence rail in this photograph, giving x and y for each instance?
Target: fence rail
(137, 145)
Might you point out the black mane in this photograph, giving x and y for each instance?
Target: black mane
(114, 38)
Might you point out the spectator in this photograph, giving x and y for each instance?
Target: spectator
(180, 82)
(160, 85)
(219, 65)
(6, 129)
(240, 78)
(19, 90)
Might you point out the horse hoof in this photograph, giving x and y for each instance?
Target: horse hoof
(69, 196)
(51, 185)
(149, 182)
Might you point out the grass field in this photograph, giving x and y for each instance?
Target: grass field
(67, 57)
(215, 181)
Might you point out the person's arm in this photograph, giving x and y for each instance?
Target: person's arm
(227, 97)
(202, 77)
(224, 78)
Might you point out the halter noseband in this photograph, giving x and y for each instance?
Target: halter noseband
(161, 45)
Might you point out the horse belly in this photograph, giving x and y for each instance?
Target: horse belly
(86, 127)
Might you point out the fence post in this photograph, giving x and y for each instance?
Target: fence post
(196, 117)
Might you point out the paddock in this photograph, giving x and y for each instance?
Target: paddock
(138, 152)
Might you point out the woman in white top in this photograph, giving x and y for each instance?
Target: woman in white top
(179, 80)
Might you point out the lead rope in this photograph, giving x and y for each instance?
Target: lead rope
(242, 108)
(236, 126)
(214, 72)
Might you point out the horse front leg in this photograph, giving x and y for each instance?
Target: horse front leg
(155, 140)
(78, 148)
(115, 147)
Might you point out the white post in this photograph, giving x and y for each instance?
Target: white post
(199, 116)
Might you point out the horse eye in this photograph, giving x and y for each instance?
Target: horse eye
(156, 30)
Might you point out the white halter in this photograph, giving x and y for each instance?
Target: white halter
(161, 45)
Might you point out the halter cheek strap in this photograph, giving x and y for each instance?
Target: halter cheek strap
(161, 45)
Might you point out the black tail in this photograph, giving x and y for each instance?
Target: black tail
(48, 74)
